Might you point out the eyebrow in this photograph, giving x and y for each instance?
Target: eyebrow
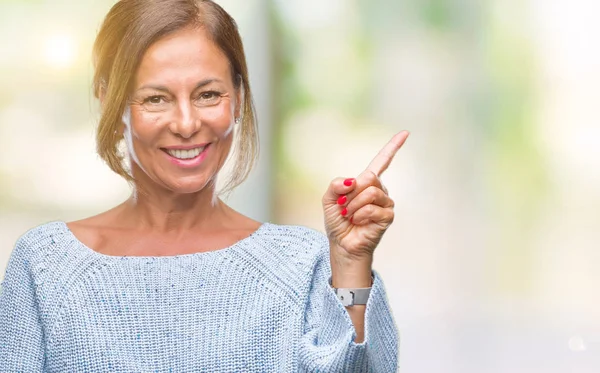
(162, 88)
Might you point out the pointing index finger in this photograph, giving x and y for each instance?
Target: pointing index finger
(383, 159)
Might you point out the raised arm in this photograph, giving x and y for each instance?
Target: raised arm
(357, 214)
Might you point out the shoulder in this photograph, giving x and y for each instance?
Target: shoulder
(28, 257)
(285, 257)
(289, 251)
(34, 242)
(296, 240)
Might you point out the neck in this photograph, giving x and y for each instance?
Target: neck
(164, 211)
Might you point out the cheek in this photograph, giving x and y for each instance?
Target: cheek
(220, 119)
(143, 126)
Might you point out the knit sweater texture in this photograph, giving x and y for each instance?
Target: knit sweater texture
(263, 304)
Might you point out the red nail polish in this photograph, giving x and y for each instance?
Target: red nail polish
(352, 220)
(348, 182)
(342, 200)
(344, 212)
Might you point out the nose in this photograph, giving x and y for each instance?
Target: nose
(186, 122)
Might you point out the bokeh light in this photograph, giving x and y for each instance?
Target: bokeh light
(60, 51)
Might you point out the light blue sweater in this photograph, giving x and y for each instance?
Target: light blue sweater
(261, 305)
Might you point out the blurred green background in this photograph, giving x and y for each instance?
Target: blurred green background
(493, 262)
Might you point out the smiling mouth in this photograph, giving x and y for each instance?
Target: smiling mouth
(185, 154)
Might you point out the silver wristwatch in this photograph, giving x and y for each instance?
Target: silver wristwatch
(351, 296)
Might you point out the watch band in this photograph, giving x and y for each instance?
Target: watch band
(352, 296)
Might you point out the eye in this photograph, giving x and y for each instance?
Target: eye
(209, 97)
(155, 100)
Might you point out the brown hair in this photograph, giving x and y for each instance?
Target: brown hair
(128, 30)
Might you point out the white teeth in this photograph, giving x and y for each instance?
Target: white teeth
(185, 154)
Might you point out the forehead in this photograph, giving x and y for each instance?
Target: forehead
(185, 55)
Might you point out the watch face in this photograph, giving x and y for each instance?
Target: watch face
(345, 296)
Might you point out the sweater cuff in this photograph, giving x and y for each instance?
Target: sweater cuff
(377, 314)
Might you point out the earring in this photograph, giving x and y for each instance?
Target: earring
(237, 120)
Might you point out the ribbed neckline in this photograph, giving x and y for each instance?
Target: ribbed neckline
(240, 243)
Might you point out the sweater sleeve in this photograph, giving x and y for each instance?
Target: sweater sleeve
(328, 342)
(21, 335)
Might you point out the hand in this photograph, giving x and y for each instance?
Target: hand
(359, 211)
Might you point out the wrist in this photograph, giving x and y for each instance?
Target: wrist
(344, 258)
(351, 272)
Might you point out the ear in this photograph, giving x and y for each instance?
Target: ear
(101, 92)
(239, 96)
(120, 131)
(102, 95)
(125, 121)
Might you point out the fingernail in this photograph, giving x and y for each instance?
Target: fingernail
(348, 182)
(344, 212)
(342, 200)
(352, 220)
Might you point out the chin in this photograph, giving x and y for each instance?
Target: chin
(182, 184)
(190, 185)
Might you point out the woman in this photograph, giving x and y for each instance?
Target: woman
(174, 280)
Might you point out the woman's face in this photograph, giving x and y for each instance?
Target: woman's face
(179, 123)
